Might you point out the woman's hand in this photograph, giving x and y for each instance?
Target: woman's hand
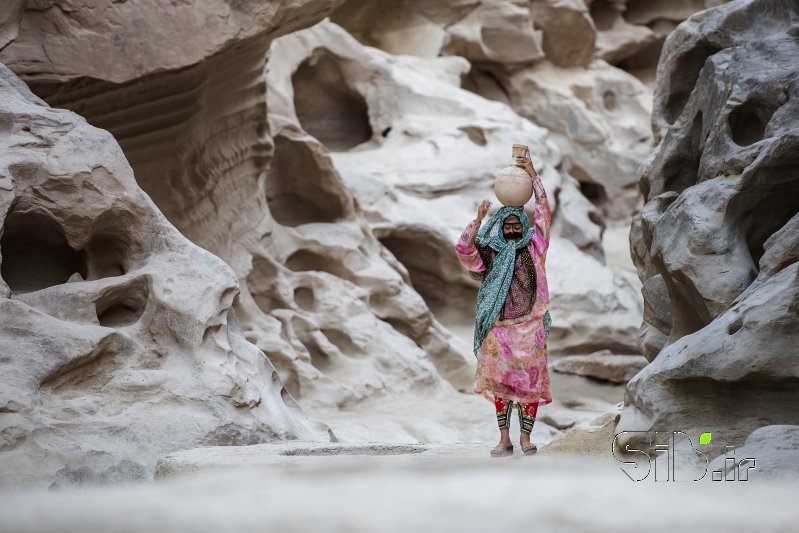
(526, 163)
(482, 210)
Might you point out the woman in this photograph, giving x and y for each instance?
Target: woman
(512, 307)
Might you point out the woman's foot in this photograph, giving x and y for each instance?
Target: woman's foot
(505, 446)
(528, 448)
(502, 449)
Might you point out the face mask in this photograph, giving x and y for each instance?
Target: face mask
(514, 235)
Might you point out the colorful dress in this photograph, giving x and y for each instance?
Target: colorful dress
(512, 361)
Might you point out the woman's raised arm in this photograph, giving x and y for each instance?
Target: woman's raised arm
(542, 214)
(466, 248)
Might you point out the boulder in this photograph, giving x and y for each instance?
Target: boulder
(569, 32)
(591, 438)
(770, 452)
(603, 365)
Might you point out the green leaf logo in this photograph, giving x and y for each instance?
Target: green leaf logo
(704, 438)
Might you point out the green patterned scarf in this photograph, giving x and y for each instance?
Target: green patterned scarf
(495, 286)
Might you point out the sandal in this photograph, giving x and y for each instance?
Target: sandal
(530, 449)
(502, 452)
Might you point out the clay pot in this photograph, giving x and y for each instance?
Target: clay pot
(513, 186)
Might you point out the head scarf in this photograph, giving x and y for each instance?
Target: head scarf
(495, 286)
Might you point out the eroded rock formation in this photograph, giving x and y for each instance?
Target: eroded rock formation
(554, 62)
(118, 340)
(319, 293)
(183, 95)
(332, 177)
(630, 33)
(716, 243)
(428, 161)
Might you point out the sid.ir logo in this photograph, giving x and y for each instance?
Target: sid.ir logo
(663, 444)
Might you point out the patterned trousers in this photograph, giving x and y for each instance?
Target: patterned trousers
(527, 412)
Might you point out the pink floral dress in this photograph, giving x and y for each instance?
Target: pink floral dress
(512, 362)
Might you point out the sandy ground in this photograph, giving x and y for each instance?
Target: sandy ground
(406, 487)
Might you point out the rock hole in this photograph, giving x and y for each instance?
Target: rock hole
(210, 333)
(609, 100)
(748, 122)
(685, 72)
(590, 189)
(108, 251)
(594, 192)
(119, 315)
(304, 260)
(435, 274)
(291, 386)
(604, 15)
(304, 298)
(36, 254)
(643, 12)
(689, 310)
(342, 340)
(326, 106)
(123, 305)
(107, 256)
(262, 282)
(6, 123)
(287, 372)
(319, 358)
(734, 326)
(300, 188)
(644, 58)
(261, 128)
(422, 260)
(402, 326)
(307, 334)
(269, 301)
(485, 83)
(475, 134)
(681, 171)
(760, 211)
